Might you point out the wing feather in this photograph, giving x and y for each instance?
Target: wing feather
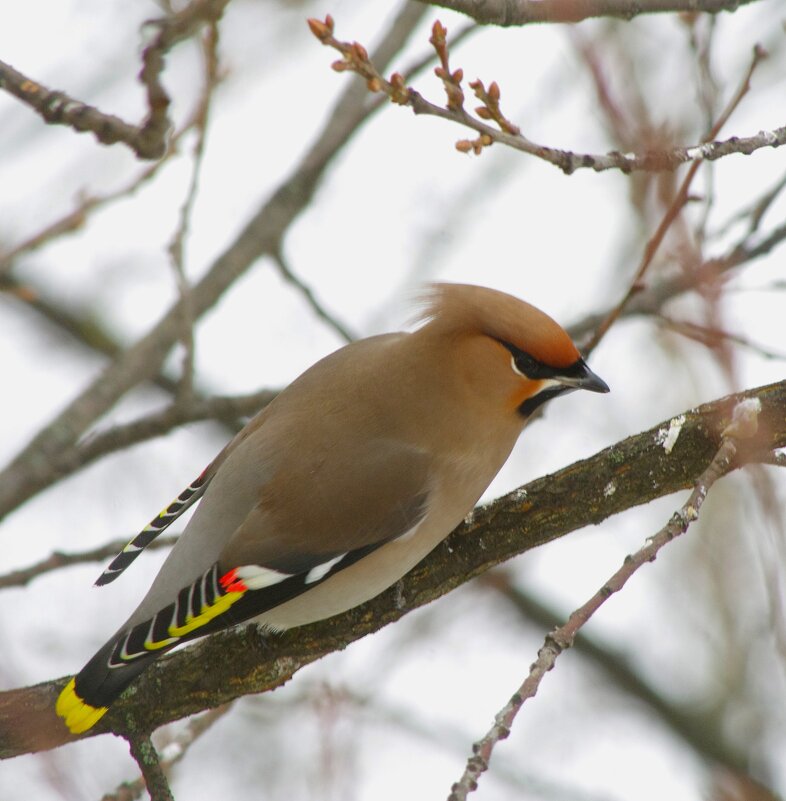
(371, 496)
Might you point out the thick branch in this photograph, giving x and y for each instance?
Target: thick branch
(229, 665)
(525, 12)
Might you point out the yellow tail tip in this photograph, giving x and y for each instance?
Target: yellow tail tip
(78, 716)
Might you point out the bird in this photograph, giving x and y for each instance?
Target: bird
(343, 483)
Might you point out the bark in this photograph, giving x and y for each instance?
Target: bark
(526, 12)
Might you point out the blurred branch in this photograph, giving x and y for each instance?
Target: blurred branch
(31, 470)
(356, 59)
(676, 206)
(744, 425)
(370, 707)
(146, 756)
(712, 337)
(77, 217)
(228, 665)
(185, 389)
(83, 328)
(148, 140)
(756, 211)
(650, 301)
(525, 12)
(697, 727)
(170, 753)
(226, 408)
(308, 295)
(58, 559)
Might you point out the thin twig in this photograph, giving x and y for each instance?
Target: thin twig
(87, 204)
(708, 93)
(356, 59)
(58, 559)
(743, 426)
(700, 728)
(675, 207)
(176, 247)
(650, 301)
(77, 217)
(624, 119)
(170, 753)
(308, 295)
(147, 140)
(712, 337)
(146, 756)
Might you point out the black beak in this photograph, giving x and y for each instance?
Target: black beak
(579, 376)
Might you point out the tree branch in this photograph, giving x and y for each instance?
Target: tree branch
(699, 728)
(242, 661)
(356, 59)
(31, 470)
(147, 140)
(744, 425)
(58, 559)
(170, 753)
(525, 12)
(285, 271)
(146, 756)
(676, 206)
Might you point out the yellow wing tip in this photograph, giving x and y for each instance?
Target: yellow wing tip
(78, 716)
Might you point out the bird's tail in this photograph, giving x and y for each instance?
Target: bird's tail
(89, 694)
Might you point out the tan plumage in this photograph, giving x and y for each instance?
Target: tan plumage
(345, 481)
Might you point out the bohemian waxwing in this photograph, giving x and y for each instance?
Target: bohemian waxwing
(343, 483)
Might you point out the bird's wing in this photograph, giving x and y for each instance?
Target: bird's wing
(295, 538)
(335, 501)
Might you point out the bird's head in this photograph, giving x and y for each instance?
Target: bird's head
(507, 350)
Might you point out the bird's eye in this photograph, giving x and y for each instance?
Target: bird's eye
(525, 365)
